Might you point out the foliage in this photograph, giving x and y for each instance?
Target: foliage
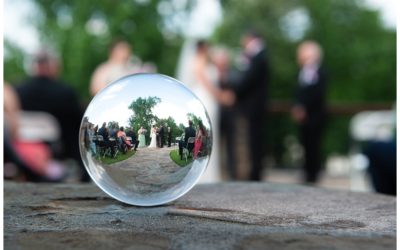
(120, 157)
(13, 62)
(195, 119)
(170, 122)
(359, 54)
(143, 112)
(113, 124)
(175, 157)
(81, 32)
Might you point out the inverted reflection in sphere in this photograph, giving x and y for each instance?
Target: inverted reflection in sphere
(145, 139)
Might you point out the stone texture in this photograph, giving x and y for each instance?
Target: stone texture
(213, 216)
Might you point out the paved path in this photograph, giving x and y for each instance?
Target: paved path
(149, 170)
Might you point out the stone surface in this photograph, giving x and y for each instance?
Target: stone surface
(217, 216)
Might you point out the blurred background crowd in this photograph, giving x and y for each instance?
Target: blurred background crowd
(298, 91)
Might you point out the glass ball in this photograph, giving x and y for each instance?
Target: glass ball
(145, 139)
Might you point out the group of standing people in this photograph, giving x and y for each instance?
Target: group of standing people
(157, 137)
(199, 144)
(236, 99)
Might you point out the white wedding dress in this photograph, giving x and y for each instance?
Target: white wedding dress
(187, 76)
(153, 142)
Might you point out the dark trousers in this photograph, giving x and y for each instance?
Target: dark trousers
(169, 141)
(310, 137)
(227, 131)
(382, 166)
(182, 145)
(162, 141)
(256, 141)
(135, 143)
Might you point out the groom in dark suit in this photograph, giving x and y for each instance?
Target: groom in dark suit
(161, 133)
(250, 86)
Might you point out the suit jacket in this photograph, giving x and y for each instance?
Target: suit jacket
(189, 132)
(132, 134)
(161, 132)
(251, 85)
(312, 96)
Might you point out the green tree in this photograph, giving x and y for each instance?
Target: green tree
(170, 122)
(143, 112)
(195, 119)
(81, 32)
(359, 54)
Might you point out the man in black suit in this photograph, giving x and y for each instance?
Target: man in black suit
(309, 108)
(134, 138)
(169, 137)
(250, 86)
(189, 132)
(161, 133)
(44, 92)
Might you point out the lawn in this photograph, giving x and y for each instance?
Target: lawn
(174, 154)
(118, 158)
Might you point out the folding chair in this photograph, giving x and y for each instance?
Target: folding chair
(186, 152)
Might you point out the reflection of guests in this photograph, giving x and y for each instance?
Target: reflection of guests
(309, 108)
(142, 137)
(44, 92)
(113, 131)
(102, 130)
(122, 136)
(199, 142)
(189, 132)
(134, 139)
(169, 136)
(250, 88)
(96, 129)
(161, 133)
(90, 135)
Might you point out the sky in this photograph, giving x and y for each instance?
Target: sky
(112, 103)
(206, 15)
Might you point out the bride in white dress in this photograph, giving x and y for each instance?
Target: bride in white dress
(153, 136)
(202, 77)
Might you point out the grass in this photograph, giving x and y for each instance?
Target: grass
(174, 154)
(118, 158)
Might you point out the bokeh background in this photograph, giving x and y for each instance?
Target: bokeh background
(358, 38)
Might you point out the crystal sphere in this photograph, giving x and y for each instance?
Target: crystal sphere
(136, 142)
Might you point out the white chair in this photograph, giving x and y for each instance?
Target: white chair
(35, 126)
(367, 126)
(186, 152)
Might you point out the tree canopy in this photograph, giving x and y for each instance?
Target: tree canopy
(143, 112)
(82, 31)
(359, 52)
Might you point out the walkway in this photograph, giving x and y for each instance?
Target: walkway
(149, 170)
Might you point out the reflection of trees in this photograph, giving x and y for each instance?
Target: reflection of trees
(170, 122)
(195, 119)
(143, 116)
(143, 112)
(113, 124)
